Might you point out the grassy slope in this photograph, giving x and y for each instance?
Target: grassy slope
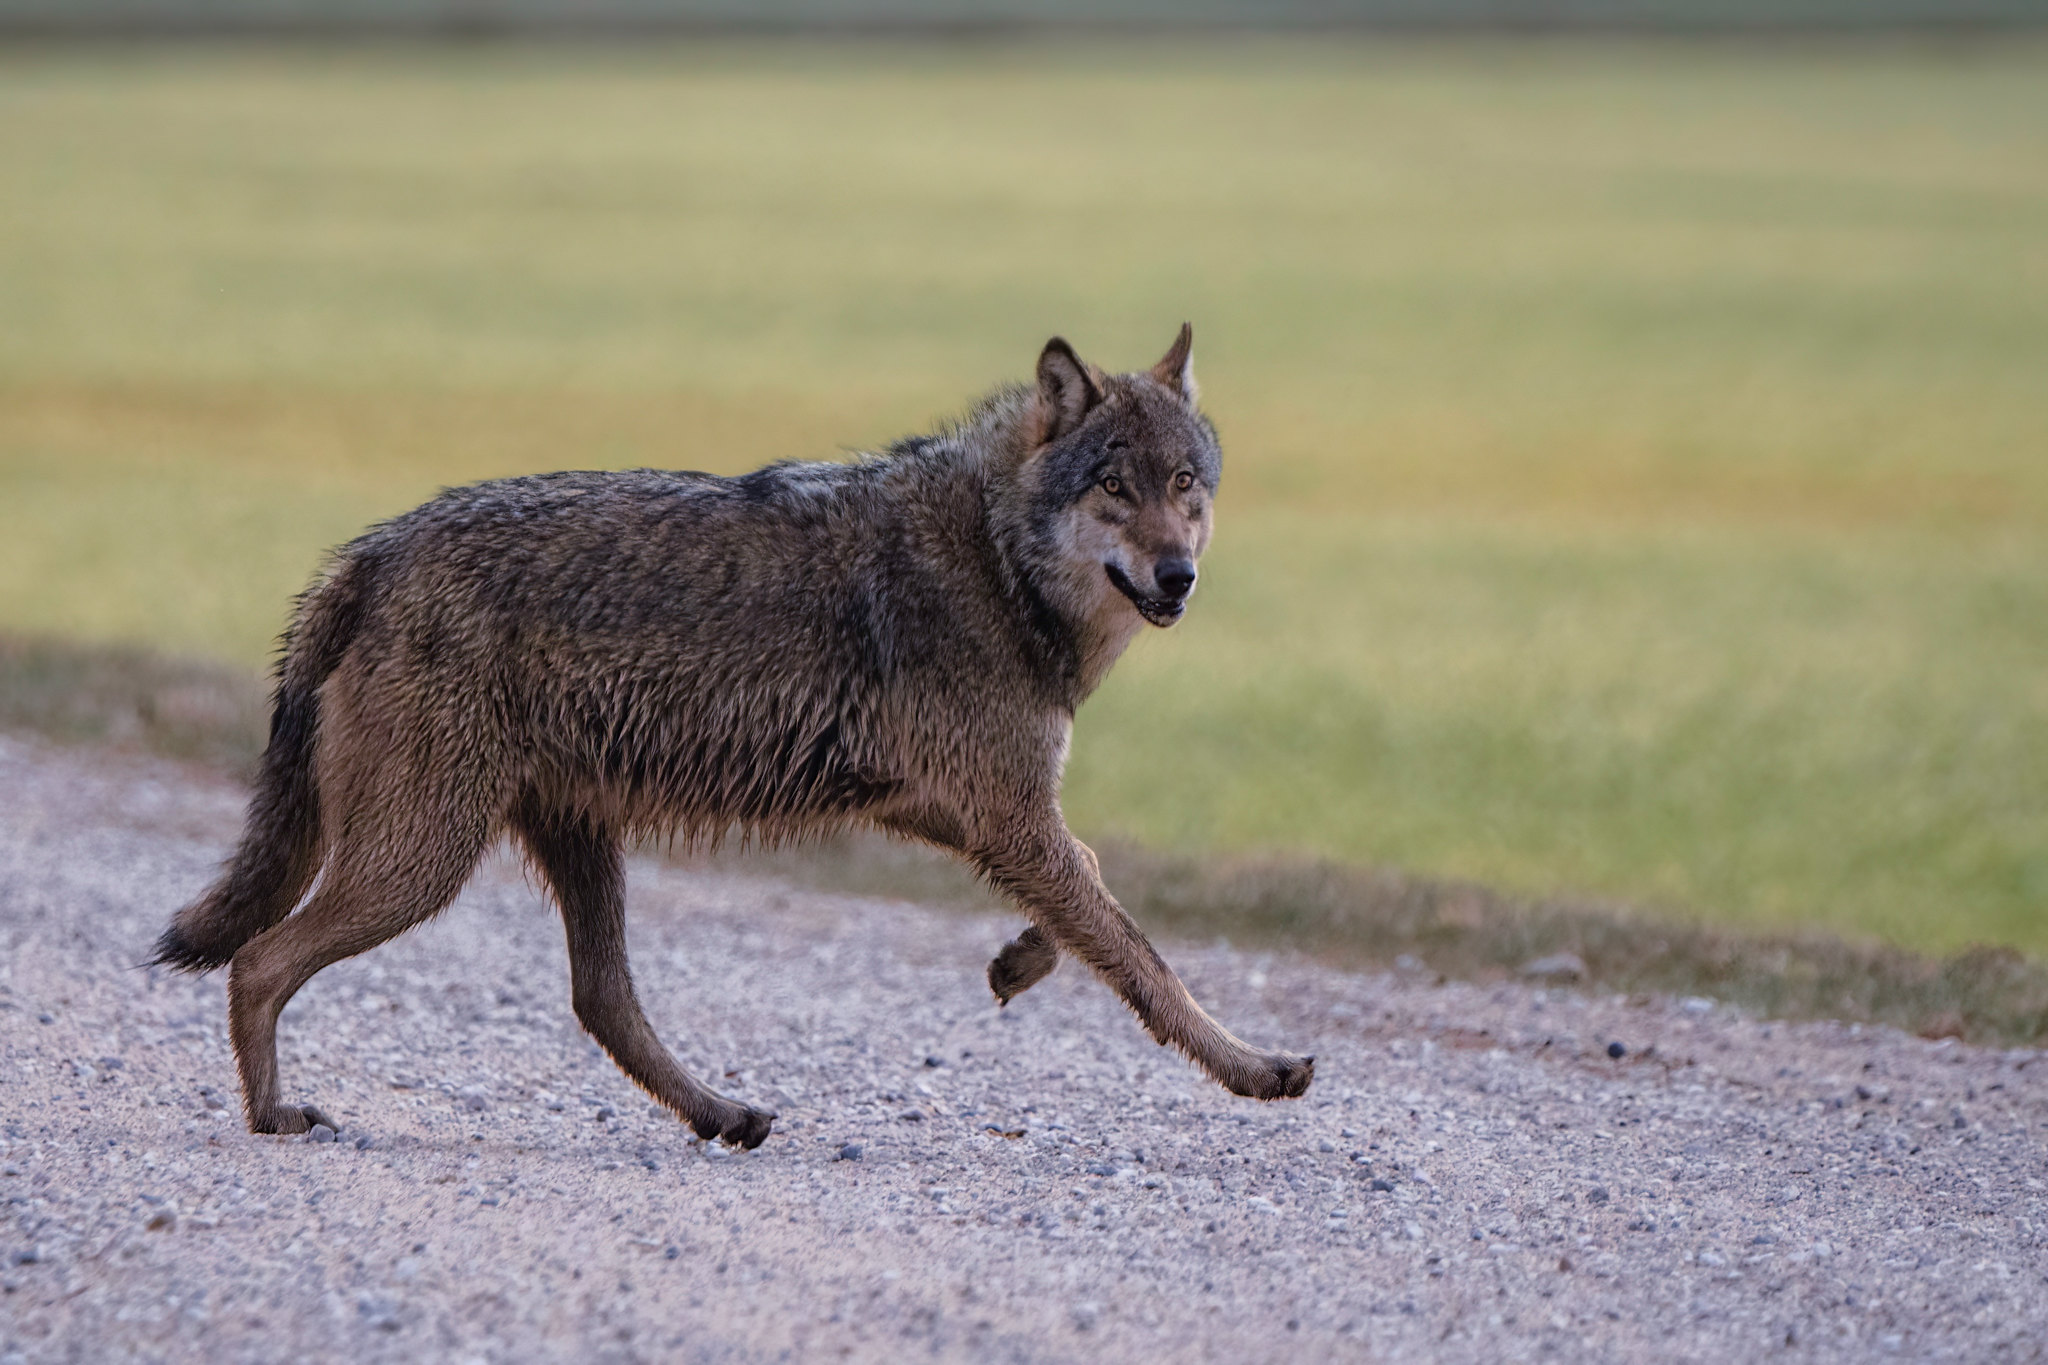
(1637, 479)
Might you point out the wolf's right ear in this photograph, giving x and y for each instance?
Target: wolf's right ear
(1068, 391)
(1176, 369)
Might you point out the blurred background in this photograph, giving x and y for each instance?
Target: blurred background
(1635, 414)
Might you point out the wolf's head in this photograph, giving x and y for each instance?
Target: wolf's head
(1120, 477)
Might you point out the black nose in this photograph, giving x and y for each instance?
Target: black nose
(1176, 577)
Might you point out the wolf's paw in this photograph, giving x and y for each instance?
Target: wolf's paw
(1022, 964)
(736, 1125)
(291, 1118)
(1273, 1076)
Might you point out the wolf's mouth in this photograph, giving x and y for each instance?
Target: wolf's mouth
(1160, 611)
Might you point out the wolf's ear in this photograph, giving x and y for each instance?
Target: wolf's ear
(1067, 390)
(1176, 369)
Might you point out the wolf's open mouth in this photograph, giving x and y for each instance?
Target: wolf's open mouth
(1160, 611)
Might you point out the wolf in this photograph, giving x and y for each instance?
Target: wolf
(898, 642)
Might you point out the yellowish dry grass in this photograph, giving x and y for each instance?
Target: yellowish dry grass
(1638, 456)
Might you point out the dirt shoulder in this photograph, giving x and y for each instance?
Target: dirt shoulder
(1473, 1176)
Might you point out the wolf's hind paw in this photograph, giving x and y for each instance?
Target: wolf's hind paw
(291, 1118)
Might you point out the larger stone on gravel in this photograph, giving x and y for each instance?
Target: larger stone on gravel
(1555, 967)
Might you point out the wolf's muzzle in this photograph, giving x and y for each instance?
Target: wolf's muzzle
(1175, 577)
(1160, 611)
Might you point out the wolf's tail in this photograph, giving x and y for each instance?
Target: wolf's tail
(281, 847)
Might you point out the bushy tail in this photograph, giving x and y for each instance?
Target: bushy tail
(281, 848)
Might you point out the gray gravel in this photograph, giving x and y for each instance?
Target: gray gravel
(1472, 1177)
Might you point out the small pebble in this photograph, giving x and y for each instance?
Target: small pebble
(1383, 1186)
(321, 1133)
(935, 1061)
(912, 1116)
(365, 1143)
(850, 1152)
(1616, 1051)
(604, 1114)
(46, 1018)
(163, 1220)
(1102, 1168)
(1597, 1195)
(1326, 1146)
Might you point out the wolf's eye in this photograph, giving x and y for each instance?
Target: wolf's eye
(1112, 485)
(1183, 481)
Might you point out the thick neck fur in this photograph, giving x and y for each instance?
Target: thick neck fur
(1076, 625)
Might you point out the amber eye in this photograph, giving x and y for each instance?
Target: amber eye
(1183, 481)
(1112, 485)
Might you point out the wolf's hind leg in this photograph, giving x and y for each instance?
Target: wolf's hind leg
(1053, 876)
(581, 862)
(374, 890)
(1024, 961)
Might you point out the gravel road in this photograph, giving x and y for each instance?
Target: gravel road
(1473, 1177)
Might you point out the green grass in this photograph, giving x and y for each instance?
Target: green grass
(1637, 479)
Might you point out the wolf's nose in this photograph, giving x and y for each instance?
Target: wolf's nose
(1176, 577)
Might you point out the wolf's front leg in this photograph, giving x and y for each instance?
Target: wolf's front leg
(1053, 877)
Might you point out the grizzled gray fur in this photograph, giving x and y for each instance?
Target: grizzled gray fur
(898, 642)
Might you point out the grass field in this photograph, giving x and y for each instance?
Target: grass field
(1637, 476)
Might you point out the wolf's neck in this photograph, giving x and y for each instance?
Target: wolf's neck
(1074, 623)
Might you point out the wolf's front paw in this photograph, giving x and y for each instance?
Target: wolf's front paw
(736, 1125)
(1022, 964)
(748, 1129)
(1273, 1076)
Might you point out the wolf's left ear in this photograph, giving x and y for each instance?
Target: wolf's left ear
(1176, 369)
(1068, 390)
